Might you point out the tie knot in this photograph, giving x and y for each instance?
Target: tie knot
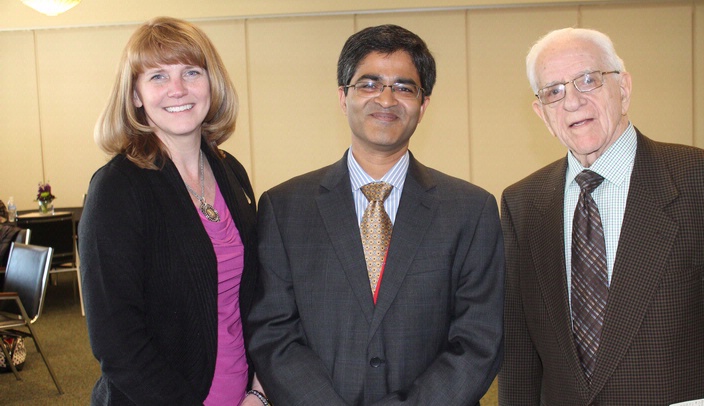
(588, 180)
(377, 191)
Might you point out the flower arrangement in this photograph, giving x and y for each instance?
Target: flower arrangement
(44, 193)
(44, 198)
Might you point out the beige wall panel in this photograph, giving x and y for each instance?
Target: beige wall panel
(296, 121)
(15, 15)
(655, 43)
(229, 39)
(20, 143)
(479, 124)
(76, 70)
(441, 140)
(509, 141)
(699, 75)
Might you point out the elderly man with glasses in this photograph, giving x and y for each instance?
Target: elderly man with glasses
(604, 247)
(381, 279)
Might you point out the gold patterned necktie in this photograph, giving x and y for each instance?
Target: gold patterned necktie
(590, 284)
(376, 230)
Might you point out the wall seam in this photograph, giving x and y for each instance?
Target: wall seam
(470, 164)
(693, 89)
(39, 106)
(250, 129)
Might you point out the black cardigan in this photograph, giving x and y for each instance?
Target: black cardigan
(149, 275)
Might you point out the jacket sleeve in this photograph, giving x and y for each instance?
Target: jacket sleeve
(521, 373)
(113, 248)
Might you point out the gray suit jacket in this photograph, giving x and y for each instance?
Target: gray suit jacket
(652, 344)
(434, 336)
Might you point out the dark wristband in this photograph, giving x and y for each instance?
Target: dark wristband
(260, 396)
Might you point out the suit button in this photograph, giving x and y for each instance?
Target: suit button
(376, 362)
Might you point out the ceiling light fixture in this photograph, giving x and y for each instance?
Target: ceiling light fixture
(51, 7)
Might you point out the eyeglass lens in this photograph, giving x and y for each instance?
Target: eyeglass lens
(583, 83)
(374, 88)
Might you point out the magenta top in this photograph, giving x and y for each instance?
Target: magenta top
(230, 379)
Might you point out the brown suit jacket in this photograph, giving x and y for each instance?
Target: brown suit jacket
(652, 345)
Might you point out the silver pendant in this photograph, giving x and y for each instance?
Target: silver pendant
(209, 211)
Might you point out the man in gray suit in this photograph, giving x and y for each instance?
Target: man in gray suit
(425, 330)
(623, 325)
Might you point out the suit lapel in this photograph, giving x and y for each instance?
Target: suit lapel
(336, 207)
(546, 233)
(415, 213)
(647, 236)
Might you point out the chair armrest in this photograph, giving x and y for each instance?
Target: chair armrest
(8, 295)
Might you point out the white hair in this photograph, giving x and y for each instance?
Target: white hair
(601, 40)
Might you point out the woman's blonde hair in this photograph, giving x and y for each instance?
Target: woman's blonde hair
(123, 128)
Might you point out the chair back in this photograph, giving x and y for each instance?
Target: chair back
(26, 274)
(23, 236)
(8, 234)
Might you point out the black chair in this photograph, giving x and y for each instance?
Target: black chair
(59, 232)
(9, 232)
(23, 236)
(25, 287)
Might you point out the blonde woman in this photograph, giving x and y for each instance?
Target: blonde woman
(167, 236)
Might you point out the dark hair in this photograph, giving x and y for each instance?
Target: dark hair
(386, 39)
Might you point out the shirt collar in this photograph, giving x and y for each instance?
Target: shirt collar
(395, 176)
(614, 165)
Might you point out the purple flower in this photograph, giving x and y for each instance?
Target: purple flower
(44, 193)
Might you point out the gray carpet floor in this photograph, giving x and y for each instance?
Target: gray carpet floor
(64, 338)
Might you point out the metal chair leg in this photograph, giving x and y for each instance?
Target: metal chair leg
(46, 361)
(80, 289)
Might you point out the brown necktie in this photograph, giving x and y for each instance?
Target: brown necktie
(376, 229)
(590, 284)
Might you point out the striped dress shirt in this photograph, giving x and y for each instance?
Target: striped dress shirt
(396, 176)
(615, 165)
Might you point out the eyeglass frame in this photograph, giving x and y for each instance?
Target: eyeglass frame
(383, 87)
(564, 84)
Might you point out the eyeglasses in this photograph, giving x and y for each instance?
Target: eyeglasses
(583, 83)
(373, 88)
